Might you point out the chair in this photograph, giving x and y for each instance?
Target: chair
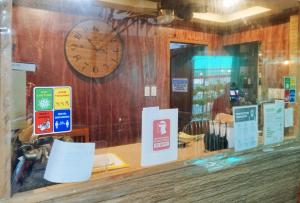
(77, 135)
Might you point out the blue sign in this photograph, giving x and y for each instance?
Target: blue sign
(180, 84)
(292, 96)
(62, 121)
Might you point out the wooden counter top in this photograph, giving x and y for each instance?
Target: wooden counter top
(262, 176)
(131, 154)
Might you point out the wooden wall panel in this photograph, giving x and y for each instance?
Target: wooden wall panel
(275, 50)
(110, 107)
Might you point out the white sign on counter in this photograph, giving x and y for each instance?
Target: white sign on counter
(245, 127)
(159, 136)
(273, 122)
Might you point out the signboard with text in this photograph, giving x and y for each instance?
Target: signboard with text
(245, 127)
(273, 122)
(290, 89)
(180, 84)
(159, 136)
(52, 107)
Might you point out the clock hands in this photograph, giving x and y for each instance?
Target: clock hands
(90, 41)
(95, 47)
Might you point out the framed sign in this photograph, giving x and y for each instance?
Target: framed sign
(180, 85)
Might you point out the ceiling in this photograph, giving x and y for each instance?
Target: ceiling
(211, 11)
(213, 14)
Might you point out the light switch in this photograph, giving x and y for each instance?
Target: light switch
(153, 91)
(147, 91)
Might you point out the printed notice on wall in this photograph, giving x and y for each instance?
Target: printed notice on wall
(273, 123)
(245, 127)
(180, 84)
(159, 136)
(290, 89)
(289, 117)
(52, 107)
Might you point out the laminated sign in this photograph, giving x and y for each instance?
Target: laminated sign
(290, 89)
(52, 109)
(159, 136)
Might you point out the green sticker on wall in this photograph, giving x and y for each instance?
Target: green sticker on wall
(287, 83)
(43, 99)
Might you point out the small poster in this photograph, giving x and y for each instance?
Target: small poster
(52, 110)
(275, 93)
(287, 83)
(289, 117)
(180, 84)
(43, 99)
(245, 127)
(43, 122)
(292, 83)
(273, 123)
(62, 98)
(290, 89)
(62, 121)
(159, 136)
(292, 96)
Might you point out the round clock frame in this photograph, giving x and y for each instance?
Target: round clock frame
(93, 48)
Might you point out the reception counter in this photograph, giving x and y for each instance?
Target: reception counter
(260, 175)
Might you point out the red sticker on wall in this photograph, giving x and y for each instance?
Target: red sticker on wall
(286, 95)
(161, 135)
(43, 122)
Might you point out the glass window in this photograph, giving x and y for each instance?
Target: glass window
(86, 71)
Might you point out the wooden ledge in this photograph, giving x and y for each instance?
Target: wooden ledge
(173, 174)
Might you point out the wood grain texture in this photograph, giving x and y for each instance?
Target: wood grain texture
(111, 107)
(5, 79)
(259, 177)
(275, 50)
(294, 45)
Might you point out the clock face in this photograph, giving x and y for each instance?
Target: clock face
(93, 49)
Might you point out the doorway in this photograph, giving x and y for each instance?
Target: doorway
(245, 74)
(182, 78)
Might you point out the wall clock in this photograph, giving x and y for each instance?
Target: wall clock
(93, 48)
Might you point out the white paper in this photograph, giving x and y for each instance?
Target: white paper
(273, 123)
(151, 154)
(230, 136)
(289, 118)
(70, 162)
(245, 127)
(275, 93)
(109, 159)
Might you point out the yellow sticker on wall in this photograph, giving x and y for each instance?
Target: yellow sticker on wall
(62, 98)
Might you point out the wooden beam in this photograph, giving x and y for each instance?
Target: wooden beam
(5, 66)
(138, 6)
